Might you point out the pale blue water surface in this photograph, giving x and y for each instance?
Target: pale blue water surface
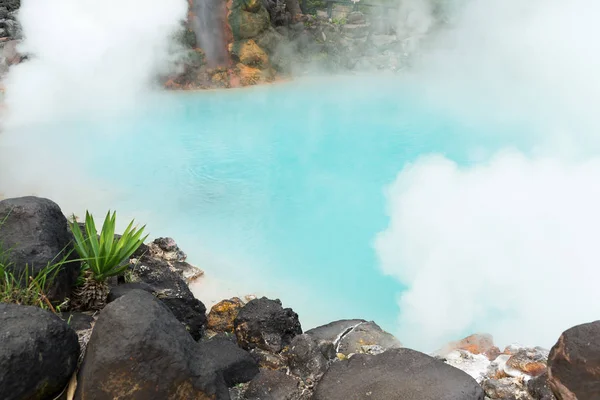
(283, 182)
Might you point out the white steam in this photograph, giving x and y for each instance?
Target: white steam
(509, 246)
(88, 55)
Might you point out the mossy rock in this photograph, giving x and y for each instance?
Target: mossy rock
(252, 5)
(187, 37)
(248, 25)
(249, 53)
(270, 40)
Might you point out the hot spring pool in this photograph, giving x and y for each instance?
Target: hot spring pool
(275, 189)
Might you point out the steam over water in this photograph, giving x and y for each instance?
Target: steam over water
(460, 196)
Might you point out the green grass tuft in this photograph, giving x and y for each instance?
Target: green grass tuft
(104, 256)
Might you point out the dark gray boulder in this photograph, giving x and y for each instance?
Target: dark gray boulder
(396, 374)
(78, 321)
(274, 385)
(307, 358)
(123, 289)
(365, 338)
(356, 336)
(38, 353)
(334, 331)
(539, 388)
(265, 324)
(574, 363)
(235, 364)
(35, 232)
(138, 350)
(173, 291)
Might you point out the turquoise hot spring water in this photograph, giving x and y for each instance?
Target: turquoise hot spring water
(277, 189)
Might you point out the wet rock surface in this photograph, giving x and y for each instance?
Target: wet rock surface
(222, 315)
(36, 232)
(396, 373)
(169, 286)
(574, 363)
(38, 353)
(152, 356)
(539, 388)
(229, 360)
(355, 336)
(275, 385)
(309, 359)
(265, 324)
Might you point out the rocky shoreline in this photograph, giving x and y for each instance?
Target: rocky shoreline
(264, 43)
(155, 340)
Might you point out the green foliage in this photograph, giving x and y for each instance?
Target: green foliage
(339, 21)
(104, 256)
(26, 288)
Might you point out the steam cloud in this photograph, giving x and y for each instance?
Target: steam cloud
(508, 246)
(89, 56)
(88, 60)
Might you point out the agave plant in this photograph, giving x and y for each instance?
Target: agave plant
(103, 256)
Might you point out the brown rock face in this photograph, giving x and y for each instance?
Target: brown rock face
(223, 314)
(476, 344)
(528, 361)
(249, 53)
(574, 363)
(250, 76)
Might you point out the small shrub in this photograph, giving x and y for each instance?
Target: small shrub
(103, 256)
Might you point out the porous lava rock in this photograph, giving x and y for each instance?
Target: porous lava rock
(539, 388)
(223, 314)
(229, 360)
(479, 343)
(396, 374)
(123, 289)
(307, 358)
(274, 385)
(38, 353)
(574, 363)
(170, 287)
(265, 324)
(34, 233)
(138, 350)
(355, 336)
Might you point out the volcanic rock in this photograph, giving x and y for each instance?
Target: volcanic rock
(35, 234)
(234, 364)
(355, 336)
(396, 374)
(475, 344)
(123, 289)
(532, 362)
(274, 385)
(139, 350)
(574, 363)
(539, 388)
(223, 314)
(172, 290)
(245, 24)
(307, 359)
(249, 53)
(265, 324)
(38, 353)
(268, 360)
(505, 388)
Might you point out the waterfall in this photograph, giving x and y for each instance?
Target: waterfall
(208, 20)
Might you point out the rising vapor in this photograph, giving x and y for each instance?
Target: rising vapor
(508, 246)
